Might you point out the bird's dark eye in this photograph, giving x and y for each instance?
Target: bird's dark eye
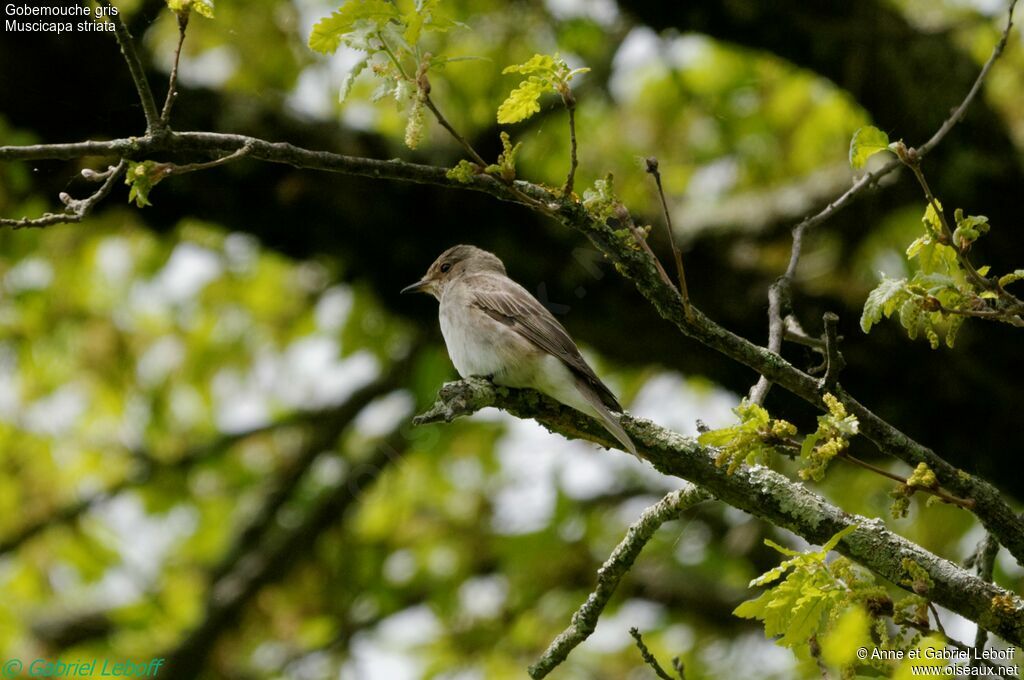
(445, 267)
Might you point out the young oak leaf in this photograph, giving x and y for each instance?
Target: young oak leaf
(329, 32)
(522, 102)
(866, 142)
(801, 604)
(543, 64)
(546, 73)
(883, 301)
(1012, 277)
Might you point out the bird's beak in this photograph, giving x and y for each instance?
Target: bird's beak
(421, 286)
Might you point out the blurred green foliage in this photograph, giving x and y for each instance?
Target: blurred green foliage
(155, 383)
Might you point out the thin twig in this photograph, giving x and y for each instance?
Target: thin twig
(570, 105)
(794, 332)
(124, 38)
(913, 161)
(961, 110)
(453, 132)
(834, 361)
(1006, 316)
(776, 332)
(938, 622)
(172, 169)
(815, 652)
(939, 493)
(652, 169)
(648, 658)
(75, 209)
(618, 564)
(172, 82)
(984, 564)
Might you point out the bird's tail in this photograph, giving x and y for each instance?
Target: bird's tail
(607, 418)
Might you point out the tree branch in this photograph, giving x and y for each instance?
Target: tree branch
(648, 658)
(960, 111)
(760, 492)
(172, 81)
(834, 362)
(652, 169)
(618, 564)
(75, 210)
(984, 563)
(124, 38)
(570, 104)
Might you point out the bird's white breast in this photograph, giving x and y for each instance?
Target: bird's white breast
(480, 346)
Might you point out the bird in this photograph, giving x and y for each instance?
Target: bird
(494, 328)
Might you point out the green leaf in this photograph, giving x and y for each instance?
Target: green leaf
(576, 72)
(328, 33)
(917, 245)
(415, 20)
(141, 178)
(522, 102)
(931, 219)
(719, 437)
(831, 543)
(882, 301)
(866, 142)
(346, 84)
(1012, 277)
(788, 552)
(543, 64)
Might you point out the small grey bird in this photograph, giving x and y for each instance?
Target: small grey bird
(494, 328)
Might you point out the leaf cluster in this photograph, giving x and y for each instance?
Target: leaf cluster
(808, 597)
(389, 34)
(832, 437)
(755, 439)
(545, 73)
(830, 609)
(945, 288)
(141, 177)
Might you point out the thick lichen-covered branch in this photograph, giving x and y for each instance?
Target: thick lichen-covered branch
(760, 492)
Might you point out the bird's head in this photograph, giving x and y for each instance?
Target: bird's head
(453, 263)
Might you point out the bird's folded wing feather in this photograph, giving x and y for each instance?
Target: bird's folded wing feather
(522, 312)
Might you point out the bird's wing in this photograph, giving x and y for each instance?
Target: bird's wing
(513, 306)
